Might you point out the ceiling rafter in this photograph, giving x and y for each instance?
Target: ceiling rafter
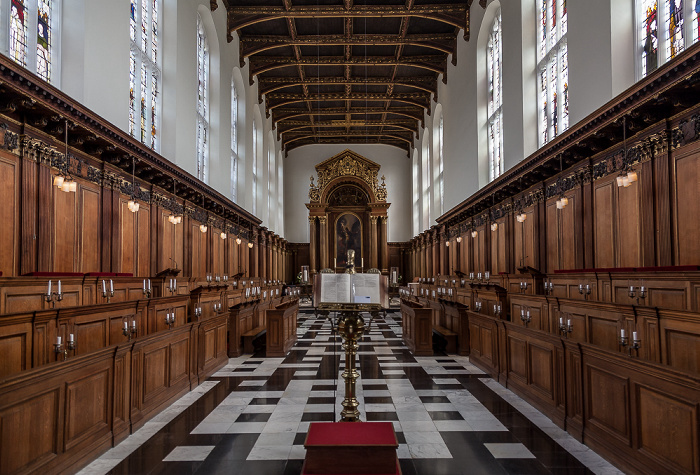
(251, 45)
(452, 14)
(345, 72)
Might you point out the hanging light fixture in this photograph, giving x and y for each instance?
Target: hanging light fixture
(494, 226)
(459, 238)
(521, 217)
(627, 176)
(133, 203)
(63, 180)
(174, 217)
(562, 202)
(203, 227)
(223, 234)
(250, 245)
(475, 233)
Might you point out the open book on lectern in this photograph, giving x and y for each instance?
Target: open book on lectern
(352, 288)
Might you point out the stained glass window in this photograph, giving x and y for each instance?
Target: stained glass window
(18, 32)
(695, 33)
(441, 164)
(31, 44)
(674, 26)
(202, 102)
(144, 57)
(553, 67)
(649, 35)
(43, 40)
(494, 59)
(234, 141)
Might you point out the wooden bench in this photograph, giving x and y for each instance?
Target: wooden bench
(448, 335)
(281, 325)
(249, 336)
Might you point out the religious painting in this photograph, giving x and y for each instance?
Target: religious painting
(348, 235)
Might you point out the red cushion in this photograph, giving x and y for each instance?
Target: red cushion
(668, 269)
(53, 274)
(351, 433)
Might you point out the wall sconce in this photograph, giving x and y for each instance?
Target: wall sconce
(105, 293)
(521, 217)
(627, 177)
(50, 294)
(474, 233)
(525, 316)
(129, 331)
(494, 226)
(459, 238)
(624, 341)
(170, 319)
(198, 312)
(172, 288)
(64, 182)
(58, 180)
(147, 288)
(565, 329)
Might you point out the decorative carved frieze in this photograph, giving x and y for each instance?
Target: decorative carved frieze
(347, 163)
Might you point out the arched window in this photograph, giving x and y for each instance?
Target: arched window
(234, 141)
(663, 32)
(440, 182)
(145, 72)
(255, 167)
(494, 60)
(280, 195)
(416, 192)
(427, 182)
(270, 184)
(33, 36)
(202, 102)
(552, 69)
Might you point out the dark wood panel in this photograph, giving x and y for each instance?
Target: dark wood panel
(604, 225)
(89, 239)
(9, 231)
(629, 229)
(688, 208)
(88, 411)
(65, 231)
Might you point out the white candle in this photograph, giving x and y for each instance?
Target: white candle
(49, 291)
(568, 323)
(522, 312)
(104, 287)
(126, 325)
(149, 284)
(59, 287)
(528, 313)
(634, 336)
(133, 323)
(144, 285)
(622, 333)
(561, 321)
(71, 338)
(631, 288)
(362, 262)
(58, 340)
(335, 262)
(174, 284)
(111, 285)
(642, 288)
(306, 275)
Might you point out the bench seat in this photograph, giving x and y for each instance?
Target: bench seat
(251, 335)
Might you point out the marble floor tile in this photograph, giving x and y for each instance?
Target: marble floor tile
(189, 453)
(508, 451)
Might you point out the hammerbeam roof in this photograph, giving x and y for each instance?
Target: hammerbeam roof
(347, 71)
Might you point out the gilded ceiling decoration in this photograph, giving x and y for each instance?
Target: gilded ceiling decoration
(346, 71)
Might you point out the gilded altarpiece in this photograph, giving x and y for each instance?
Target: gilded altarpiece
(348, 210)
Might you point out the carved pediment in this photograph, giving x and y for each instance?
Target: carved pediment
(347, 164)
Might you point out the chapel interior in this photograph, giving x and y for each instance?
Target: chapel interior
(520, 178)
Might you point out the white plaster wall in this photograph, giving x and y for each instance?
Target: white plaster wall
(300, 164)
(95, 71)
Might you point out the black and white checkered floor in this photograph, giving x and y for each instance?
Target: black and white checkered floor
(252, 416)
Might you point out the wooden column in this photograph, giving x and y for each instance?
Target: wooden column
(255, 258)
(428, 251)
(443, 253)
(436, 253)
(312, 244)
(373, 243)
(385, 246)
(262, 255)
(323, 237)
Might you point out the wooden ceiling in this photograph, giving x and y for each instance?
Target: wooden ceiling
(347, 71)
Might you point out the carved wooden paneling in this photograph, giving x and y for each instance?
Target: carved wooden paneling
(15, 347)
(89, 238)
(143, 239)
(9, 231)
(687, 206)
(155, 374)
(608, 407)
(663, 421)
(604, 224)
(552, 237)
(199, 254)
(525, 245)
(629, 245)
(65, 231)
(570, 237)
(88, 408)
(29, 435)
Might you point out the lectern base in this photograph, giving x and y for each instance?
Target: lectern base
(351, 448)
